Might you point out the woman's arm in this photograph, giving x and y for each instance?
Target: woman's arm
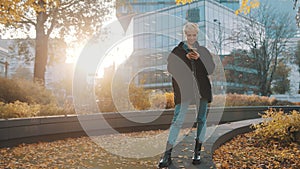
(207, 60)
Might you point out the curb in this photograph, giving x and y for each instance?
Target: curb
(224, 133)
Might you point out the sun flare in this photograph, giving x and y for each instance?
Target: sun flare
(116, 55)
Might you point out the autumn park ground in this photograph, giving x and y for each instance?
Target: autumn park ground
(270, 145)
(250, 150)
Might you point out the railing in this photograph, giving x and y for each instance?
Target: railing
(30, 130)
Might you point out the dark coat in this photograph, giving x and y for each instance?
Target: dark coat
(183, 71)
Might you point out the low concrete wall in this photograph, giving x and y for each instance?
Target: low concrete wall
(30, 130)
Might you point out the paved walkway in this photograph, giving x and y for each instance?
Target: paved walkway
(182, 153)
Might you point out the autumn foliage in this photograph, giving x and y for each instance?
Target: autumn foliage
(22, 98)
(279, 126)
(248, 100)
(245, 7)
(275, 143)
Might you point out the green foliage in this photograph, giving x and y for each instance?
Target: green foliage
(278, 126)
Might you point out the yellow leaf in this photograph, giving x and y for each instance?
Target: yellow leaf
(183, 2)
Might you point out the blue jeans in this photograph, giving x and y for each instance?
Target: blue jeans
(179, 116)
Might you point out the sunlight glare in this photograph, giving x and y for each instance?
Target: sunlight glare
(116, 55)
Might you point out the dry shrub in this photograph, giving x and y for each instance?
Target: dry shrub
(53, 109)
(158, 101)
(162, 101)
(22, 90)
(249, 100)
(139, 97)
(278, 126)
(170, 100)
(18, 109)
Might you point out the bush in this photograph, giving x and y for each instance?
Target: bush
(170, 100)
(18, 109)
(162, 101)
(278, 126)
(139, 97)
(53, 109)
(36, 93)
(249, 100)
(12, 90)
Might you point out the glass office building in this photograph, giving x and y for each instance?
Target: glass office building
(158, 29)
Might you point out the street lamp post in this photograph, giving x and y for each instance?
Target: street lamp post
(220, 34)
(220, 47)
(298, 18)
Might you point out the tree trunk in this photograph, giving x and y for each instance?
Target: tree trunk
(41, 49)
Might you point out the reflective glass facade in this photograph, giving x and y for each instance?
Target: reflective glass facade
(158, 32)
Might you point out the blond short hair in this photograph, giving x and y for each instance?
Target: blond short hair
(190, 26)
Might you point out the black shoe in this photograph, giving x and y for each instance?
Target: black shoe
(166, 160)
(196, 156)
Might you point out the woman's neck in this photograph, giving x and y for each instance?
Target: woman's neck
(191, 45)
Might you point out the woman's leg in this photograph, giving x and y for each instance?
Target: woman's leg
(201, 120)
(201, 130)
(178, 119)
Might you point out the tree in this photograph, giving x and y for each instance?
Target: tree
(183, 1)
(295, 3)
(297, 60)
(79, 19)
(266, 37)
(247, 5)
(281, 83)
(240, 69)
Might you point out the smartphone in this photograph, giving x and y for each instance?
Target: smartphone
(193, 50)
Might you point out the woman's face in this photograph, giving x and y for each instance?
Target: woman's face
(191, 36)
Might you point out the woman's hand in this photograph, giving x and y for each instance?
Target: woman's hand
(193, 55)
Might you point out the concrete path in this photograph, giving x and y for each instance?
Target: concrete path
(217, 135)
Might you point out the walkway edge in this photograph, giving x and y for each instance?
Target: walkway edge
(225, 132)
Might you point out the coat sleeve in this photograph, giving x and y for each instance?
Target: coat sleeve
(172, 62)
(207, 60)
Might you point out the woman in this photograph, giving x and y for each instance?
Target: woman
(189, 64)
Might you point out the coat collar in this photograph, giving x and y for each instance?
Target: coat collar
(183, 45)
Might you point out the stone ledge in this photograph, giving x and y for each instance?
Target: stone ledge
(222, 134)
